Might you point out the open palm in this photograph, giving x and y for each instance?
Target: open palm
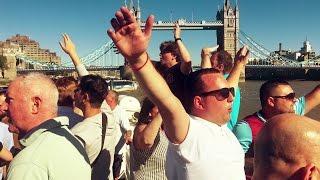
(128, 37)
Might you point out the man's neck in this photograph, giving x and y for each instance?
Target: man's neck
(34, 124)
(113, 106)
(90, 111)
(267, 113)
(205, 116)
(173, 63)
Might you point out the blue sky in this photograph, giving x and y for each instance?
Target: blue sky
(268, 22)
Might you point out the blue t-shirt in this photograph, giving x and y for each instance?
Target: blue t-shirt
(235, 107)
(243, 131)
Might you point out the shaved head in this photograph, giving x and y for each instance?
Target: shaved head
(286, 144)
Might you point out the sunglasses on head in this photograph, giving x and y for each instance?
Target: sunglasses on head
(289, 96)
(220, 94)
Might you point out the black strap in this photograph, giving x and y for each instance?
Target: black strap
(104, 129)
(82, 140)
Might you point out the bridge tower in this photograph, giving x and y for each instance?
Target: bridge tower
(228, 34)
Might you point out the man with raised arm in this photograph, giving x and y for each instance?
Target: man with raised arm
(213, 57)
(68, 47)
(276, 97)
(176, 62)
(89, 96)
(190, 154)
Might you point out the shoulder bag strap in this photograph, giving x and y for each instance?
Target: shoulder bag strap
(104, 129)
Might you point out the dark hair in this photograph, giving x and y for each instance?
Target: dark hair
(3, 92)
(66, 87)
(146, 108)
(267, 87)
(170, 47)
(195, 85)
(96, 87)
(224, 58)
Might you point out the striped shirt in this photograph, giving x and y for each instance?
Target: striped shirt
(150, 163)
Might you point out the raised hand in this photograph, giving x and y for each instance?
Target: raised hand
(207, 51)
(242, 56)
(176, 31)
(205, 56)
(130, 40)
(67, 45)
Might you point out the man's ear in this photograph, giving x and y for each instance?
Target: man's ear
(85, 97)
(174, 57)
(36, 102)
(270, 101)
(221, 67)
(309, 172)
(197, 102)
(313, 172)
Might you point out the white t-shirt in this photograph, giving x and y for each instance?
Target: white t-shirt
(208, 152)
(90, 131)
(6, 138)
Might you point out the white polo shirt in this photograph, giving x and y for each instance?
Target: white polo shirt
(90, 131)
(208, 152)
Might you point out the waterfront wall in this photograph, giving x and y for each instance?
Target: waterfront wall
(285, 73)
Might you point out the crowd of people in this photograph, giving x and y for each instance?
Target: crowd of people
(188, 126)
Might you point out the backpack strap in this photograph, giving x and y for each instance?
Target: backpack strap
(104, 129)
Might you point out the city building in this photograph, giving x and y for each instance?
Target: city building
(31, 49)
(306, 51)
(9, 49)
(304, 54)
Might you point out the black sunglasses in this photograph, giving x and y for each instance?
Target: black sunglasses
(220, 94)
(290, 96)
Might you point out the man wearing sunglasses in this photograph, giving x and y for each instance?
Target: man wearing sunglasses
(213, 57)
(276, 97)
(201, 146)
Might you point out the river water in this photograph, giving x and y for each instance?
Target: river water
(250, 102)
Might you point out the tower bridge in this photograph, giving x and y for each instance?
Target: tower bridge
(186, 25)
(229, 37)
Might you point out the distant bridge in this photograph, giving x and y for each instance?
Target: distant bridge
(106, 57)
(185, 25)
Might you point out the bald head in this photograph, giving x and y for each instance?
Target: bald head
(286, 144)
(36, 96)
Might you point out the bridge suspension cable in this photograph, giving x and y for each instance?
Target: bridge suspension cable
(271, 57)
(95, 55)
(36, 63)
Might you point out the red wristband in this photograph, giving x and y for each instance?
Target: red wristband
(139, 68)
